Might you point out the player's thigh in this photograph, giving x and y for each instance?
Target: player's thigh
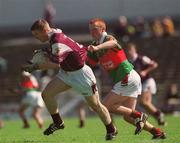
(23, 107)
(55, 86)
(93, 100)
(113, 99)
(130, 102)
(146, 96)
(36, 110)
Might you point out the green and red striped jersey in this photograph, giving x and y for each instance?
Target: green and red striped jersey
(113, 60)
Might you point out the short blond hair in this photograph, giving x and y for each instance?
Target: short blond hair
(40, 24)
(98, 22)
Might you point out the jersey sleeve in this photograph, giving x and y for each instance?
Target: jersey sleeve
(146, 60)
(110, 37)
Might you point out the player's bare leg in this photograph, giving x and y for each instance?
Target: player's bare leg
(52, 89)
(22, 110)
(94, 102)
(82, 114)
(146, 102)
(156, 132)
(37, 116)
(126, 107)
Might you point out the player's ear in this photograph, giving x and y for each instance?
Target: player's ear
(44, 30)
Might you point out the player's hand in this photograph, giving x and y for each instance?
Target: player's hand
(143, 73)
(37, 51)
(92, 48)
(30, 68)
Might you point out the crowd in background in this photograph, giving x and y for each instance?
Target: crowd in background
(143, 28)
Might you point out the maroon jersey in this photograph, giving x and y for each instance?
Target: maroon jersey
(63, 50)
(141, 63)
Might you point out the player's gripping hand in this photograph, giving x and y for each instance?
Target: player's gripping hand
(92, 48)
(37, 51)
(30, 67)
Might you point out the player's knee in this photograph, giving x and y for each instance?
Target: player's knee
(44, 95)
(34, 115)
(96, 106)
(143, 103)
(107, 105)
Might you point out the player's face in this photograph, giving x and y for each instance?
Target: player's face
(131, 52)
(40, 35)
(95, 31)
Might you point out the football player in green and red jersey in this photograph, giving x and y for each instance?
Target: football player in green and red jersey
(122, 99)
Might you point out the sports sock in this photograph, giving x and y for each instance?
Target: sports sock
(56, 118)
(135, 114)
(157, 113)
(110, 128)
(81, 123)
(25, 122)
(155, 131)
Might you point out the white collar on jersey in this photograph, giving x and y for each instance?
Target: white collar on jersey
(54, 31)
(104, 34)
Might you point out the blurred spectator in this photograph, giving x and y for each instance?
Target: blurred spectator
(168, 26)
(3, 65)
(50, 13)
(142, 28)
(172, 102)
(157, 28)
(124, 31)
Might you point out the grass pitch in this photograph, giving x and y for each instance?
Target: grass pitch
(93, 132)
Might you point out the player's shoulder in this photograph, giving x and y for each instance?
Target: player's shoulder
(146, 59)
(56, 36)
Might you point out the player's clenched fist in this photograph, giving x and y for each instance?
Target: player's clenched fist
(92, 48)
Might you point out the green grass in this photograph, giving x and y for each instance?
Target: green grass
(93, 132)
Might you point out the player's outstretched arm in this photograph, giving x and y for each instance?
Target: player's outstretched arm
(48, 65)
(40, 66)
(105, 45)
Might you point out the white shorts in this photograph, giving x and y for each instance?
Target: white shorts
(132, 89)
(149, 85)
(83, 81)
(33, 98)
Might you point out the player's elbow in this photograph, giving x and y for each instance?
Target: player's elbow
(155, 65)
(115, 43)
